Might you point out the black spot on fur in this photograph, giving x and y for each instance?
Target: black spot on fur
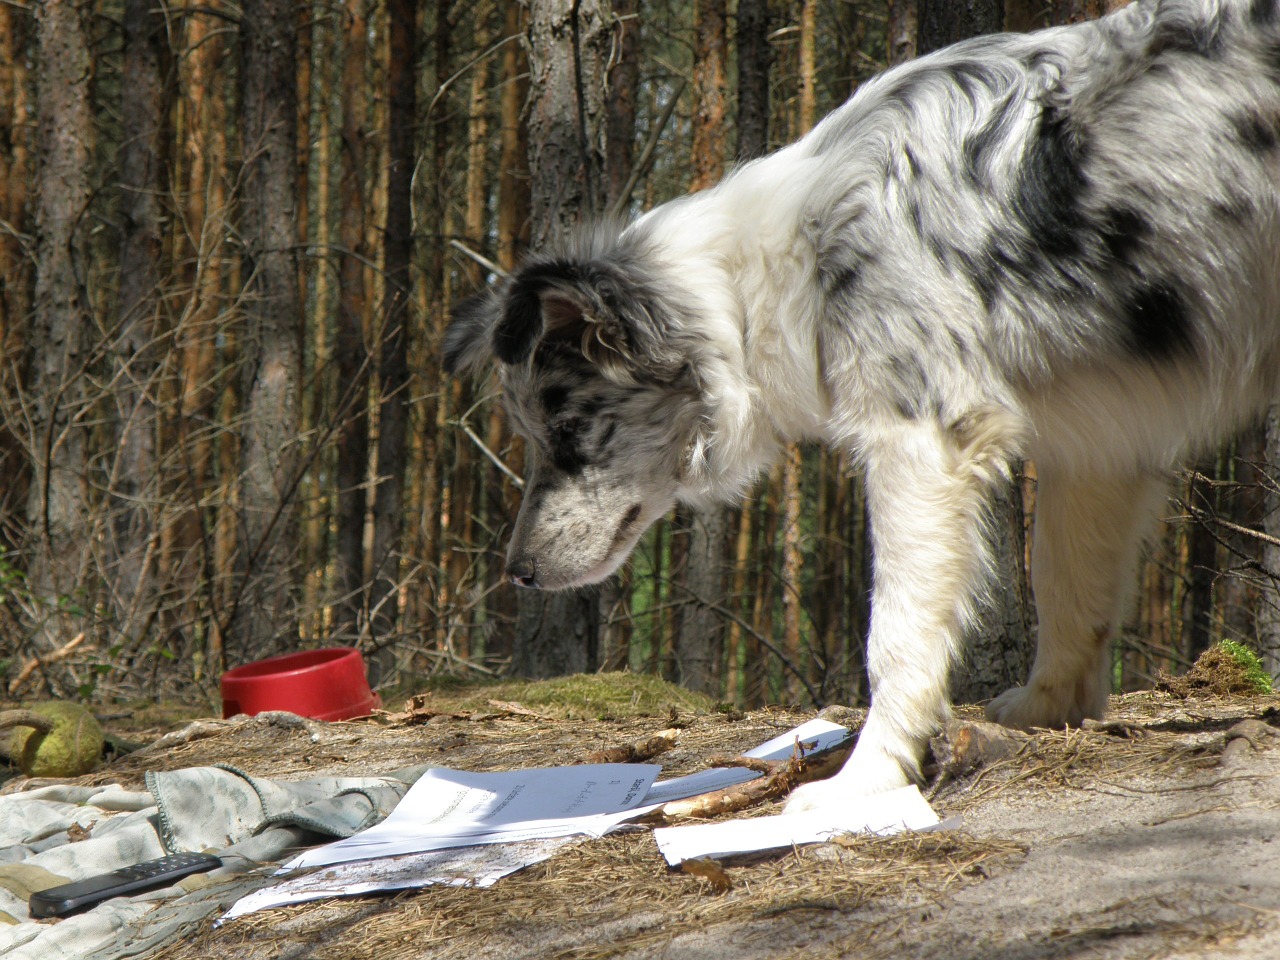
(1256, 132)
(1050, 184)
(567, 452)
(1159, 325)
(1200, 36)
(554, 399)
(1123, 230)
(981, 271)
(913, 162)
(1236, 207)
(1262, 13)
(979, 144)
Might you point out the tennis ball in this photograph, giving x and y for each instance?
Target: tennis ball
(53, 739)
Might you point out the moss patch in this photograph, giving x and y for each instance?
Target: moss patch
(1225, 669)
(590, 696)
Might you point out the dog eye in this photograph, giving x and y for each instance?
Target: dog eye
(568, 427)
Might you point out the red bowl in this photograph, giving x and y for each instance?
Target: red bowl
(327, 684)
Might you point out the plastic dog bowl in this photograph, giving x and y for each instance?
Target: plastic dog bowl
(321, 684)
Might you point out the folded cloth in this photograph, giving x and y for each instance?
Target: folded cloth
(61, 833)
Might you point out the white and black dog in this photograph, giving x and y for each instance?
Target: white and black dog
(1063, 246)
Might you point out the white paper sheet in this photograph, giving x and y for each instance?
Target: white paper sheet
(882, 813)
(457, 808)
(480, 866)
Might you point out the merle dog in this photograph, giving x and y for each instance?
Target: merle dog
(1063, 246)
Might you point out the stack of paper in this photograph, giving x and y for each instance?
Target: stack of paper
(459, 828)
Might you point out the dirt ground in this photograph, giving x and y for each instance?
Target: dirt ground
(1153, 835)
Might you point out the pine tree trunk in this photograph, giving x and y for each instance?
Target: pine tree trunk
(57, 388)
(569, 47)
(624, 79)
(393, 366)
(352, 354)
(1268, 628)
(754, 61)
(943, 22)
(265, 615)
(15, 266)
(135, 521)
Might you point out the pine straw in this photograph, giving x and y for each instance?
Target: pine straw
(610, 898)
(1147, 734)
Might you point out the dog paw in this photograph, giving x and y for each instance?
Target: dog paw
(861, 776)
(1034, 705)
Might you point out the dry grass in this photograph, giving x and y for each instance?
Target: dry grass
(621, 886)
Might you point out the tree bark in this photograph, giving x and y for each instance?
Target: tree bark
(15, 264)
(352, 353)
(709, 89)
(624, 79)
(393, 366)
(135, 522)
(569, 43)
(57, 386)
(265, 609)
(943, 22)
(1268, 628)
(754, 61)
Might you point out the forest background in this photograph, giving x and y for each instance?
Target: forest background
(230, 238)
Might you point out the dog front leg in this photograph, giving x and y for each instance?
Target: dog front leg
(927, 492)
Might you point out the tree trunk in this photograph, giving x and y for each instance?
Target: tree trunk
(352, 352)
(136, 492)
(943, 22)
(57, 386)
(393, 366)
(15, 265)
(709, 86)
(901, 29)
(754, 61)
(1268, 628)
(569, 43)
(624, 79)
(265, 615)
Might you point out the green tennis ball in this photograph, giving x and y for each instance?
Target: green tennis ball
(53, 739)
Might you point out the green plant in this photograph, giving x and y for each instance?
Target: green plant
(1254, 671)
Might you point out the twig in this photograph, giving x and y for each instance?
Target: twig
(779, 779)
(478, 258)
(35, 663)
(493, 457)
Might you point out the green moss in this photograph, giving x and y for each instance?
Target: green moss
(1255, 674)
(583, 696)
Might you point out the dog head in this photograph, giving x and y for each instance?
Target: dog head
(596, 364)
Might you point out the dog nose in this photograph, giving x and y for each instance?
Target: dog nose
(522, 572)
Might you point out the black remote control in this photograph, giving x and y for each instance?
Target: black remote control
(81, 894)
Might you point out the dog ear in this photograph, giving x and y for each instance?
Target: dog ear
(594, 307)
(468, 341)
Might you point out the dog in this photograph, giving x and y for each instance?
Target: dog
(1061, 246)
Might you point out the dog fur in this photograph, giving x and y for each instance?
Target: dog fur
(1063, 246)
